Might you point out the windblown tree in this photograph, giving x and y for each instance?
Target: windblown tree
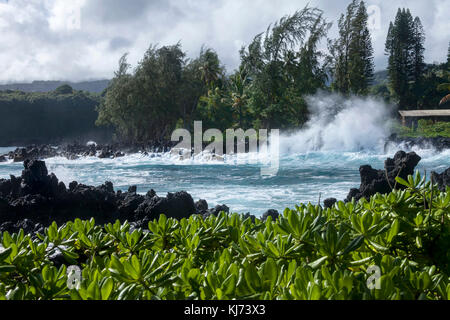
(147, 104)
(404, 46)
(114, 109)
(212, 107)
(352, 52)
(418, 63)
(283, 66)
(212, 73)
(448, 56)
(238, 97)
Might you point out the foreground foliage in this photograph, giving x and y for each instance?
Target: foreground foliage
(307, 253)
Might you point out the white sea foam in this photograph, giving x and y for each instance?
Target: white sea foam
(323, 158)
(340, 124)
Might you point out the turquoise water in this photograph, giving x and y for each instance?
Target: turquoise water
(302, 177)
(323, 158)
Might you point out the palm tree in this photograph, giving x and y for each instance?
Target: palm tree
(237, 90)
(210, 68)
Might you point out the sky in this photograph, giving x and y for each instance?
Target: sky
(81, 40)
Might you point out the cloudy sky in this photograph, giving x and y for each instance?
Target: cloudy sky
(84, 39)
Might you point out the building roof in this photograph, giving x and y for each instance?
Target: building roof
(425, 113)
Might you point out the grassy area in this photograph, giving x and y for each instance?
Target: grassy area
(394, 246)
(424, 128)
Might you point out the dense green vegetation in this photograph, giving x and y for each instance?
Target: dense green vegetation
(353, 53)
(404, 45)
(424, 128)
(308, 253)
(63, 114)
(279, 69)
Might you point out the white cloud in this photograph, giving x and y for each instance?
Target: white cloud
(83, 39)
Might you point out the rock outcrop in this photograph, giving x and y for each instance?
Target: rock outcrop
(383, 181)
(442, 180)
(36, 199)
(438, 143)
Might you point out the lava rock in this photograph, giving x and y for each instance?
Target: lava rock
(216, 210)
(438, 143)
(176, 205)
(201, 207)
(383, 181)
(443, 179)
(330, 202)
(36, 199)
(132, 189)
(249, 216)
(270, 213)
(105, 154)
(150, 194)
(130, 204)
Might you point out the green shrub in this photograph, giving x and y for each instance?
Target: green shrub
(308, 253)
(424, 128)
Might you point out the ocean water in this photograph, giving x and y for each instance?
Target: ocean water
(302, 177)
(321, 160)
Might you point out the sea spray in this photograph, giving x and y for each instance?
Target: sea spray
(323, 158)
(341, 124)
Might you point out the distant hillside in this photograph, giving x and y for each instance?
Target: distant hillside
(49, 117)
(45, 86)
(380, 77)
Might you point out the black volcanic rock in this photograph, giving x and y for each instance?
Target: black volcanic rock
(130, 204)
(383, 181)
(105, 153)
(201, 207)
(329, 203)
(442, 180)
(216, 210)
(176, 205)
(36, 199)
(270, 213)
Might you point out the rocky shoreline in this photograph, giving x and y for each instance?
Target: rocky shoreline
(438, 143)
(77, 150)
(111, 151)
(384, 181)
(35, 199)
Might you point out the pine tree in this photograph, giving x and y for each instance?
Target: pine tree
(361, 53)
(418, 63)
(404, 45)
(448, 56)
(341, 51)
(353, 66)
(418, 50)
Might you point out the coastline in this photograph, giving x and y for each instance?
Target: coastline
(36, 199)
